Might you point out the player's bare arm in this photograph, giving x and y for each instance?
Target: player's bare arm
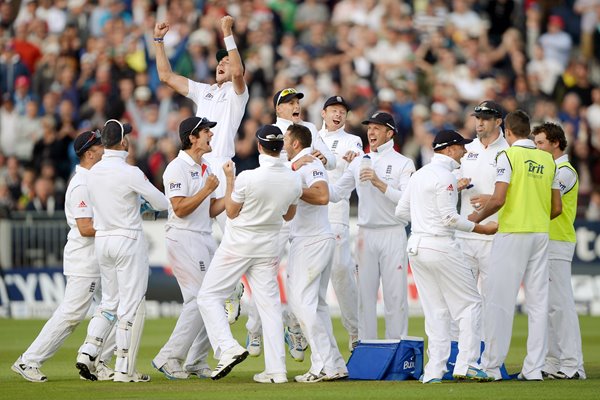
(232, 208)
(165, 73)
(86, 227)
(184, 206)
(494, 204)
(291, 212)
(556, 204)
(235, 60)
(350, 155)
(302, 161)
(486, 229)
(479, 201)
(463, 183)
(317, 194)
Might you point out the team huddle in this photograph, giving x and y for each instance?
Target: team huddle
(486, 215)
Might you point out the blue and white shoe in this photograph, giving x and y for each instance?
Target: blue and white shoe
(474, 374)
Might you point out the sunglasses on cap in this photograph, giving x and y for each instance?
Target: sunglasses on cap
(201, 122)
(270, 137)
(480, 109)
(284, 93)
(120, 124)
(88, 143)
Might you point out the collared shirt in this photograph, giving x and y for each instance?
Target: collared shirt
(115, 188)
(78, 205)
(479, 164)
(317, 142)
(310, 219)
(377, 209)
(504, 169)
(266, 193)
(183, 177)
(340, 142)
(429, 201)
(224, 106)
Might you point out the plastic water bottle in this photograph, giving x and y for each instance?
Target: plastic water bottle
(365, 163)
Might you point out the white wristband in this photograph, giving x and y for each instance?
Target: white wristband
(229, 43)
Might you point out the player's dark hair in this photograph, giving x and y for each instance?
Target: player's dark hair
(519, 124)
(301, 134)
(554, 134)
(186, 142)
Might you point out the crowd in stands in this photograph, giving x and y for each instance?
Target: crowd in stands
(69, 65)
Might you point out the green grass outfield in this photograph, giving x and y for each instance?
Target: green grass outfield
(64, 382)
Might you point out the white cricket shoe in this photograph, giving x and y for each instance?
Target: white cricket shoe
(309, 377)
(199, 370)
(352, 342)
(232, 304)
(172, 369)
(104, 372)
(229, 359)
(338, 376)
(32, 374)
(135, 377)
(85, 365)
(264, 377)
(296, 343)
(254, 344)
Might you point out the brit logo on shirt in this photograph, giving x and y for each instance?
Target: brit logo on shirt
(472, 156)
(195, 174)
(174, 186)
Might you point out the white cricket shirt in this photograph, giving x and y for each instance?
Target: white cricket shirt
(224, 106)
(115, 188)
(266, 193)
(377, 209)
(183, 177)
(79, 249)
(310, 219)
(479, 164)
(317, 142)
(430, 199)
(340, 142)
(504, 169)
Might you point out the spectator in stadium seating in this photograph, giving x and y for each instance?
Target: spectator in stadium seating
(44, 200)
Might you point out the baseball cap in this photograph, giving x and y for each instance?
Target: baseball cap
(270, 137)
(556, 20)
(333, 100)
(85, 141)
(113, 132)
(285, 96)
(381, 118)
(447, 138)
(488, 109)
(188, 125)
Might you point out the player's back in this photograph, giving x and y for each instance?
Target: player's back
(266, 193)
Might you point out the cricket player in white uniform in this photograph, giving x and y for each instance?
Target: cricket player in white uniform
(528, 196)
(381, 241)
(564, 359)
(115, 189)
(257, 202)
(80, 267)
(447, 287)
(309, 262)
(223, 102)
(287, 108)
(343, 269)
(189, 185)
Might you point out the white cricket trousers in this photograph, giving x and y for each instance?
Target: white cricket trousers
(343, 278)
(123, 258)
(78, 297)
(189, 254)
(447, 291)
(564, 336)
(226, 270)
(253, 325)
(381, 256)
(516, 258)
(308, 272)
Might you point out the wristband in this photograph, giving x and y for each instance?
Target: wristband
(159, 39)
(229, 43)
